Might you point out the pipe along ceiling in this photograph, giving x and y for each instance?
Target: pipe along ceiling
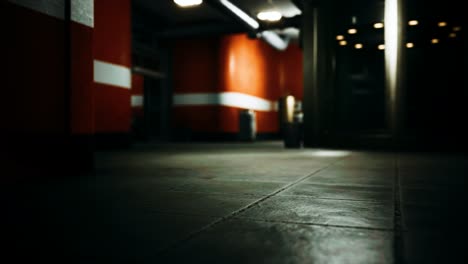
(255, 28)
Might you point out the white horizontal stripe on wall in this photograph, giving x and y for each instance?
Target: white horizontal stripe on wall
(112, 74)
(82, 11)
(137, 100)
(232, 99)
(55, 8)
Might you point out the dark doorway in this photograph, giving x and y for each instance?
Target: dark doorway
(360, 90)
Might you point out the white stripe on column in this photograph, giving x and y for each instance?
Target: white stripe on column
(55, 8)
(137, 101)
(232, 99)
(82, 11)
(112, 74)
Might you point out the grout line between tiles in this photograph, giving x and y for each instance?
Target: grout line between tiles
(237, 212)
(398, 217)
(316, 224)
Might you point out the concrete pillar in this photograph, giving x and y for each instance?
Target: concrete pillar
(317, 30)
(49, 125)
(79, 19)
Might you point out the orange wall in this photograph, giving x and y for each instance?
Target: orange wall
(290, 72)
(233, 63)
(196, 66)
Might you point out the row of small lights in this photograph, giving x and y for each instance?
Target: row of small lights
(380, 25)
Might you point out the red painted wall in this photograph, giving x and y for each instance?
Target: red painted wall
(233, 63)
(35, 57)
(82, 92)
(112, 44)
(48, 117)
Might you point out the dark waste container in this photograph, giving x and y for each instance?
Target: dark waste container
(247, 125)
(291, 128)
(292, 135)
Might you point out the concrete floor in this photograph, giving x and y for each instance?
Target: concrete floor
(245, 203)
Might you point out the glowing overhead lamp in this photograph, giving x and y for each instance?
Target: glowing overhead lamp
(271, 16)
(352, 31)
(452, 35)
(343, 43)
(381, 47)
(378, 25)
(410, 45)
(434, 41)
(358, 46)
(442, 24)
(413, 22)
(339, 37)
(188, 3)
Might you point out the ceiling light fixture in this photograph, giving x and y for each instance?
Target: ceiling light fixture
(241, 14)
(381, 47)
(442, 24)
(452, 35)
(343, 43)
(352, 31)
(413, 22)
(188, 3)
(358, 46)
(274, 40)
(378, 25)
(456, 29)
(434, 41)
(410, 45)
(339, 37)
(271, 16)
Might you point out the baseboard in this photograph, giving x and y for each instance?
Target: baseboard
(220, 137)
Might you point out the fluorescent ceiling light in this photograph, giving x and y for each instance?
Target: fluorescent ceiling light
(381, 47)
(339, 37)
(241, 14)
(271, 16)
(410, 45)
(274, 40)
(413, 22)
(343, 43)
(188, 3)
(358, 46)
(352, 31)
(378, 25)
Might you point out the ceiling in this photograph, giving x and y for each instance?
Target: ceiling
(169, 20)
(166, 14)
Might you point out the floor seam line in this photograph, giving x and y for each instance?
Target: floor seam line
(398, 233)
(317, 224)
(237, 212)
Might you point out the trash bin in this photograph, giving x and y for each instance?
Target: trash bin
(247, 125)
(292, 135)
(291, 118)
